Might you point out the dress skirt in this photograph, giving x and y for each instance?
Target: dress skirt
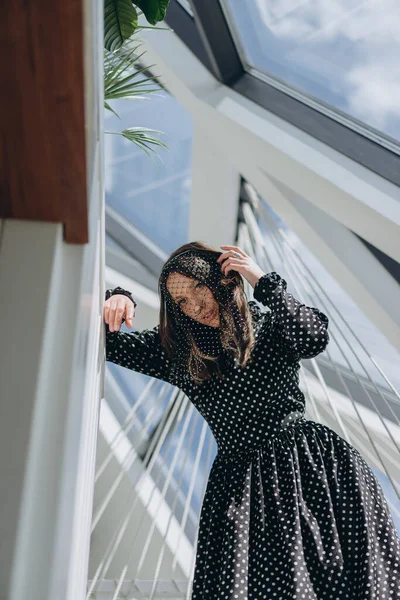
(302, 517)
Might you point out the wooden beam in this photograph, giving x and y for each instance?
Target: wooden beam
(42, 116)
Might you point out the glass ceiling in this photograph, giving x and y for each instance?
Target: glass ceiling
(153, 197)
(342, 53)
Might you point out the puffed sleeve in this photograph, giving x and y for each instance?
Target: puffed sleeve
(302, 329)
(140, 351)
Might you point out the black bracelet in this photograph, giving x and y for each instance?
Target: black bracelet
(119, 290)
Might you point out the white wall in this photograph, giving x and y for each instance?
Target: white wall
(51, 380)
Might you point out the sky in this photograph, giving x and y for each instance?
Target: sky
(343, 53)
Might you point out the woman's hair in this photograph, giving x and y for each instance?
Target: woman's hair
(237, 338)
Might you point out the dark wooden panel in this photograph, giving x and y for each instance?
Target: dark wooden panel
(42, 143)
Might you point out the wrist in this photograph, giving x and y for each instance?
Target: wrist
(254, 277)
(267, 286)
(122, 292)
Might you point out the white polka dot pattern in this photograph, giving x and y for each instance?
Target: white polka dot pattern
(303, 329)
(291, 510)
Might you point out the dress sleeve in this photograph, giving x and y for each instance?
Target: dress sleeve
(303, 329)
(140, 351)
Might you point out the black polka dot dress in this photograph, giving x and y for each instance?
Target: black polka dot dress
(291, 510)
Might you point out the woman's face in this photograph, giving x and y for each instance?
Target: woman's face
(194, 298)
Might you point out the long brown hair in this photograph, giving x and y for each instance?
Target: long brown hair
(240, 344)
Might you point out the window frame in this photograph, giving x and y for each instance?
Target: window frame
(209, 37)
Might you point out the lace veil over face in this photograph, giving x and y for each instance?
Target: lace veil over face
(200, 301)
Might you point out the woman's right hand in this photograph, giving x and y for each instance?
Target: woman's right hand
(116, 308)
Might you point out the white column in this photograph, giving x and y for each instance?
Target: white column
(51, 379)
(50, 376)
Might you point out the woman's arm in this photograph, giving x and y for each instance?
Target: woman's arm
(303, 329)
(140, 350)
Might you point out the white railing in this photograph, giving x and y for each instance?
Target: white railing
(173, 451)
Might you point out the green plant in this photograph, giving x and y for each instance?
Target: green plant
(125, 78)
(121, 19)
(122, 69)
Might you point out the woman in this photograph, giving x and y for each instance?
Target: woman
(291, 510)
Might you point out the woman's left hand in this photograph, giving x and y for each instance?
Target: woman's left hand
(243, 264)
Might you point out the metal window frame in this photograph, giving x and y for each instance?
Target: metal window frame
(184, 26)
(138, 246)
(209, 37)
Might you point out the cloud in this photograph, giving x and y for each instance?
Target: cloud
(347, 51)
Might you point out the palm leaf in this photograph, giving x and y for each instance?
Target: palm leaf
(108, 107)
(142, 138)
(122, 79)
(120, 22)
